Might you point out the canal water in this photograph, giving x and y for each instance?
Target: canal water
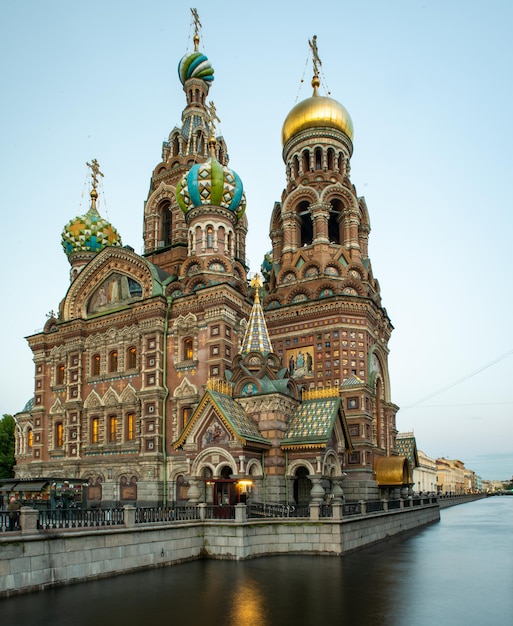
(455, 572)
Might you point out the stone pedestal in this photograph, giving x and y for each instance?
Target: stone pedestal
(28, 520)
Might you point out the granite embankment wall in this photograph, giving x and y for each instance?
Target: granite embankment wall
(36, 560)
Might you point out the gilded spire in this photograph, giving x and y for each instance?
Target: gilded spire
(256, 338)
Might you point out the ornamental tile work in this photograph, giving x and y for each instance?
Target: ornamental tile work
(312, 421)
(234, 413)
(407, 446)
(89, 233)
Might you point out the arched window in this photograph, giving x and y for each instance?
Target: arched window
(334, 225)
(131, 358)
(130, 427)
(59, 379)
(113, 361)
(59, 435)
(331, 159)
(318, 159)
(166, 223)
(95, 365)
(210, 237)
(113, 429)
(187, 349)
(95, 430)
(306, 225)
(305, 161)
(30, 438)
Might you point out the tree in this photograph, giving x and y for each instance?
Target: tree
(7, 461)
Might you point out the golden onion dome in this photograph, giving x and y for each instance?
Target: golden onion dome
(317, 111)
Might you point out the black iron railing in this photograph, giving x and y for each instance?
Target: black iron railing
(80, 518)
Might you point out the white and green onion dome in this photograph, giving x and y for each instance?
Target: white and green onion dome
(211, 184)
(89, 232)
(195, 65)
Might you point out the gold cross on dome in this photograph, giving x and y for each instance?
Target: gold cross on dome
(95, 167)
(212, 117)
(315, 52)
(197, 26)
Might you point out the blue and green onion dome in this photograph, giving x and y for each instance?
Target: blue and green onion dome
(89, 232)
(211, 184)
(195, 65)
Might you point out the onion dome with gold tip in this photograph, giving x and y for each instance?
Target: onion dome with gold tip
(211, 184)
(195, 64)
(89, 233)
(317, 111)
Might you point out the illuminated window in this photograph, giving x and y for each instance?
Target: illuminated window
(95, 430)
(130, 427)
(59, 435)
(113, 428)
(210, 237)
(60, 375)
(95, 365)
(113, 361)
(131, 358)
(187, 349)
(30, 438)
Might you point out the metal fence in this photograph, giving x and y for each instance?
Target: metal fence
(148, 515)
(54, 519)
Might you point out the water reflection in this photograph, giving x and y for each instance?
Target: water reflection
(456, 572)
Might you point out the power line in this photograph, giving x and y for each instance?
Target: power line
(460, 380)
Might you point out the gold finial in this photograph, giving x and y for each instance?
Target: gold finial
(197, 26)
(316, 63)
(256, 283)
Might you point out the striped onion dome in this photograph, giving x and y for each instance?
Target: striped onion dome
(211, 184)
(195, 65)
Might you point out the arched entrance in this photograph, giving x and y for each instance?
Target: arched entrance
(224, 488)
(302, 487)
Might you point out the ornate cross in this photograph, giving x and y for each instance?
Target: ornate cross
(316, 60)
(95, 167)
(197, 26)
(212, 117)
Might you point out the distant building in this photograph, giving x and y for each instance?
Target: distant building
(167, 377)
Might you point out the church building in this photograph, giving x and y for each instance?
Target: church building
(170, 377)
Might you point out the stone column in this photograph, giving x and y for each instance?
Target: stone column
(193, 493)
(241, 512)
(129, 512)
(317, 491)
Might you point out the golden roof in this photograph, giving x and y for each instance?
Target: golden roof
(314, 112)
(393, 471)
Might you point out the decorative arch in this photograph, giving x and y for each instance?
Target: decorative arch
(225, 459)
(296, 464)
(111, 262)
(110, 398)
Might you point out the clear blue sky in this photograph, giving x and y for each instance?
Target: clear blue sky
(428, 86)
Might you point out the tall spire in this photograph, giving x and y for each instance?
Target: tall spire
(256, 338)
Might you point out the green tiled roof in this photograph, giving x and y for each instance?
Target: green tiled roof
(312, 422)
(241, 423)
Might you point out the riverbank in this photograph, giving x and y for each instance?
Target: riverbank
(43, 559)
